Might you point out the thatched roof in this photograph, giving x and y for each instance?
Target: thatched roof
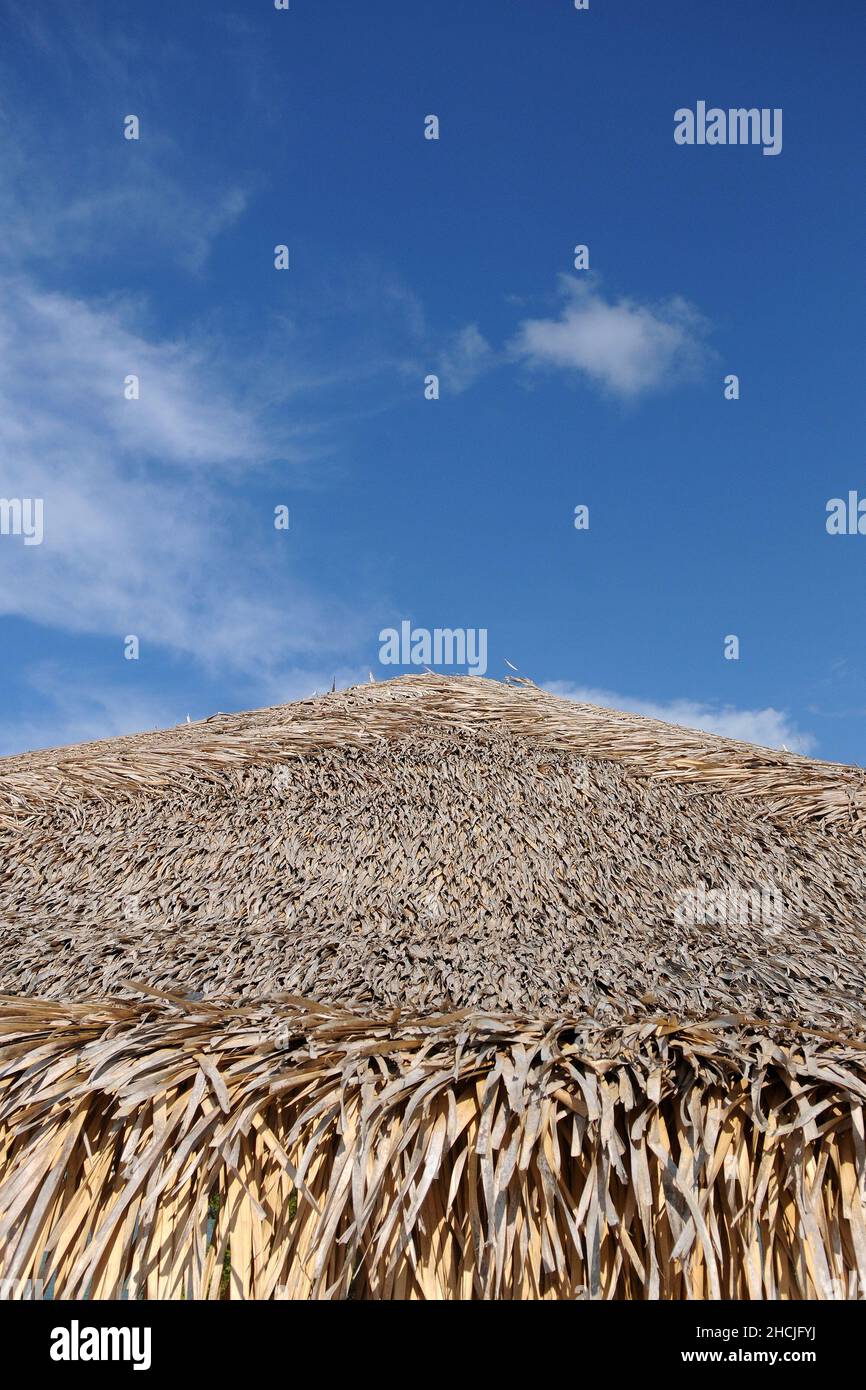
(440, 843)
(497, 986)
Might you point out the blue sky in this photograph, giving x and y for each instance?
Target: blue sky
(408, 257)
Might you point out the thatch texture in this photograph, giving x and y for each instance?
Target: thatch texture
(392, 993)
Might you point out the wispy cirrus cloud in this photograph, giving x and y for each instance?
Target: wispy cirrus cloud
(137, 200)
(769, 727)
(64, 709)
(88, 193)
(144, 533)
(466, 357)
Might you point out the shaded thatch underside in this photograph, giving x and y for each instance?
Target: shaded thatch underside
(619, 1099)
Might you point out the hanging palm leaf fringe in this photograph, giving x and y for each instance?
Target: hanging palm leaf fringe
(168, 1148)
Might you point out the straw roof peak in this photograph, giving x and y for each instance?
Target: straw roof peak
(438, 843)
(788, 784)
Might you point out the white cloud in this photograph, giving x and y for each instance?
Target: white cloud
(70, 359)
(771, 728)
(144, 533)
(625, 347)
(467, 357)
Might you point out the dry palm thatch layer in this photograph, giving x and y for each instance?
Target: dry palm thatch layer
(390, 993)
